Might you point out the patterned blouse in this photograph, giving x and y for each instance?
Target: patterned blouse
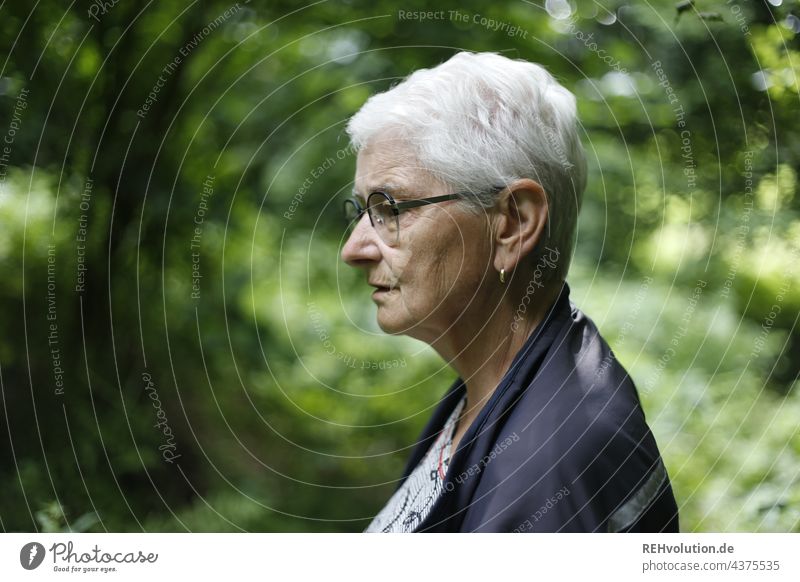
(412, 502)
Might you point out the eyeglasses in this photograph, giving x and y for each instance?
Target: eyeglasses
(384, 212)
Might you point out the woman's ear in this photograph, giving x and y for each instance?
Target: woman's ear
(521, 218)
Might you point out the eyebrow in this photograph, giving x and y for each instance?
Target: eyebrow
(393, 189)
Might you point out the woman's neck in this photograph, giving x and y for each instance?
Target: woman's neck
(481, 350)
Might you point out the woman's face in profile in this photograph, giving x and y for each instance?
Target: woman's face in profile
(436, 272)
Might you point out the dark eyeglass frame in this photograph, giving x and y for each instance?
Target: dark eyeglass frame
(396, 209)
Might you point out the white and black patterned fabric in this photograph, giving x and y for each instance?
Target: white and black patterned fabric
(412, 502)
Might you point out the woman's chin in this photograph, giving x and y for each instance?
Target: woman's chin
(391, 325)
(394, 320)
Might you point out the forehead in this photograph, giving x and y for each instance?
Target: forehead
(390, 165)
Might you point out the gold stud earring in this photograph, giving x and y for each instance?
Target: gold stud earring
(503, 275)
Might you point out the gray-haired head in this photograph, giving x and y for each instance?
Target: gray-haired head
(481, 120)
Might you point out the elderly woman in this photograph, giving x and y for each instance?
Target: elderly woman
(468, 183)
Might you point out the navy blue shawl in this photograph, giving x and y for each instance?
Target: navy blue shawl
(561, 445)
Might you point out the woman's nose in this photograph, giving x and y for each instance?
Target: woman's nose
(361, 246)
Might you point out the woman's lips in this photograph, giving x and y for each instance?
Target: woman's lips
(381, 291)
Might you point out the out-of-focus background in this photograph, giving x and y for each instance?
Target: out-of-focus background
(181, 347)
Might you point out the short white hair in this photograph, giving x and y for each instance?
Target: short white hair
(481, 120)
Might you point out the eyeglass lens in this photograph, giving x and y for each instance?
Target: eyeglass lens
(382, 216)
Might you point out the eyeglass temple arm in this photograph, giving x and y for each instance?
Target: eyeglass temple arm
(414, 203)
(435, 199)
